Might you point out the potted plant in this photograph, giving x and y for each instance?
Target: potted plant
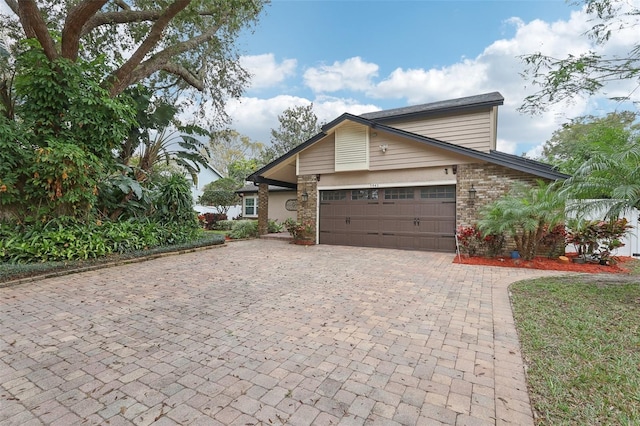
(302, 232)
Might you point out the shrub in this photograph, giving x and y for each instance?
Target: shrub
(275, 227)
(469, 238)
(224, 225)
(244, 229)
(299, 230)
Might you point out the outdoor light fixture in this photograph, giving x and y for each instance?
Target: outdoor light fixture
(304, 197)
(472, 193)
(383, 148)
(454, 169)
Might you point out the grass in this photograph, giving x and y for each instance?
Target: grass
(11, 271)
(581, 342)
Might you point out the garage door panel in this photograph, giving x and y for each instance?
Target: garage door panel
(404, 218)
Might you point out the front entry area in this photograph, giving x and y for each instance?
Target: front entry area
(414, 218)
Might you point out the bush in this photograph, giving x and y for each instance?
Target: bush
(224, 225)
(209, 220)
(275, 227)
(244, 229)
(473, 242)
(67, 239)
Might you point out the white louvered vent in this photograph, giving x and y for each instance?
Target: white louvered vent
(352, 148)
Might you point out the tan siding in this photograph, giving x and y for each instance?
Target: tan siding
(277, 209)
(403, 154)
(319, 158)
(471, 130)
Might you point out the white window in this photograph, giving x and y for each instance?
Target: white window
(250, 206)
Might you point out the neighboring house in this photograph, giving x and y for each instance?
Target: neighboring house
(204, 177)
(402, 178)
(283, 203)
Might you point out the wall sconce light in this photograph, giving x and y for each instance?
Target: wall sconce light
(472, 193)
(318, 177)
(383, 148)
(454, 169)
(304, 196)
(446, 171)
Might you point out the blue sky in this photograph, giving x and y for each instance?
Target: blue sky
(360, 56)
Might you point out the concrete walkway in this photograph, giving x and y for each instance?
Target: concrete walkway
(264, 332)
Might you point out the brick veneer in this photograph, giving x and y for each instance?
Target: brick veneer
(263, 209)
(307, 211)
(490, 182)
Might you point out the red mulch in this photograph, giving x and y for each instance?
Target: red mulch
(546, 264)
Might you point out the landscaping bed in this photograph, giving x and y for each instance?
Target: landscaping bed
(546, 263)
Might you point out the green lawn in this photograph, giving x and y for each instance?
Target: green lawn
(581, 342)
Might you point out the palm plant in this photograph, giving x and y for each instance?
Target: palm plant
(525, 214)
(607, 181)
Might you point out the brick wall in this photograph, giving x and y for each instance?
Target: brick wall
(307, 210)
(490, 181)
(263, 209)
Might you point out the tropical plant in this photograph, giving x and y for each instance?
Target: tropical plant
(299, 230)
(174, 203)
(607, 181)
(525, 214)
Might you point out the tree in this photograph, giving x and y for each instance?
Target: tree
(171, 45)
(297, 124)
(526, 214)
(239, 170)
(220, 194)
(229, 147)
(583, 137)
(561, 79)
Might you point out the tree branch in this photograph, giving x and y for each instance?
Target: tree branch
(122, 77)
(159, 60)
(76, 19)
(13, 5)
(185, 74)
(35, 27)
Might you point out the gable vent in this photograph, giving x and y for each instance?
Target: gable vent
(352, 148)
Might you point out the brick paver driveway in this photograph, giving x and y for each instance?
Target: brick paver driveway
(264, 332)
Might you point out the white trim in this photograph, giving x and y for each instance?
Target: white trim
(255, 206)
(297, 164)
(387, 185)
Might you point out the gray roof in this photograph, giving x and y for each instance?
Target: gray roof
(469, 102)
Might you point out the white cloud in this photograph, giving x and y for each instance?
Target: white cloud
(265, 71)
(352, 74)
(256, 117)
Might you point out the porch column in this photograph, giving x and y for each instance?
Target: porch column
(308, 185)
(263, 209)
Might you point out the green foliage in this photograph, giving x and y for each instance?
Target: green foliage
(584, 137)
(300, 230)
(597, 238)
(525, 214)
(473, 242)
(241, 169)
(174, 204)
(244, 229)
(607, 181)
(274, 227)
(69, 239)
(220, 194)
(297, 124)
(224, 225)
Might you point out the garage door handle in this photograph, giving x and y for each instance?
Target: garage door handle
(347, 220)
(416, 221)
(387, 233)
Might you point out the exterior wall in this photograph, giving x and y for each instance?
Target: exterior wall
(399, 155)
(403, 154)
(401, 177)
(308, 211)
(319, 158)
(490, 182)
(473, 130)
(277, 201)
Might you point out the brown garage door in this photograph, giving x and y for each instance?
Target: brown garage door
(418, 218)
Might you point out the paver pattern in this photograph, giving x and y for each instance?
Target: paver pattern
(264, 332)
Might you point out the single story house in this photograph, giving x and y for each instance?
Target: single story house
(283, 202)
(403, 178)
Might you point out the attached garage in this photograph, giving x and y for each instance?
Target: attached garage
(414, 218)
